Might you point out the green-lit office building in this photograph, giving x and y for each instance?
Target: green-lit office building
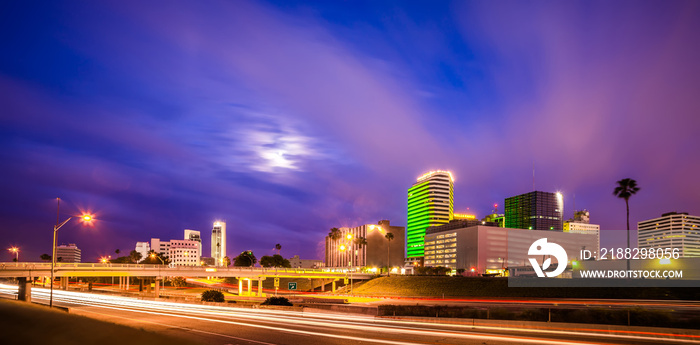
(430, 203)
(535, 211)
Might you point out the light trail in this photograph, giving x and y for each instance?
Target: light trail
(358, 323)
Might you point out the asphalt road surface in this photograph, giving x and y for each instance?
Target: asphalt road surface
(229, 325)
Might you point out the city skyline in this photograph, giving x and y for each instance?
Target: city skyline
(288, 119)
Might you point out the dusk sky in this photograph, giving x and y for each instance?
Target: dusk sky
(288, 118)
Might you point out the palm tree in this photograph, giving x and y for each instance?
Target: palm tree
(389, 237)
(359, 242)
(278, 247)
(334, 235)
(624, 190)
(135, 256)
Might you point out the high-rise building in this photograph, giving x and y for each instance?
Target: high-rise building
(218, 242)
(378, 252)
(671, 230)
(535, 211)
(430, 203)
(194, 235)
(68, 253)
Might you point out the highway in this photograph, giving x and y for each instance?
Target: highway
(208, 324)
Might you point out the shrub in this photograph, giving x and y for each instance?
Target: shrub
(212, 296)
(277, 301)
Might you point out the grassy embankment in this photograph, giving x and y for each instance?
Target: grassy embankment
(26, 324)
(436, 286)
(453, 287)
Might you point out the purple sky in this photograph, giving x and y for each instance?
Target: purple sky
(286, 119)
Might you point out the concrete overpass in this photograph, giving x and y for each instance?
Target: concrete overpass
(27, 271)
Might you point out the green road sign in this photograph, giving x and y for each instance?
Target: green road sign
(292, 286)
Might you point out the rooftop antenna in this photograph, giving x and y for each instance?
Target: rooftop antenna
(533, 176)
(574, 205)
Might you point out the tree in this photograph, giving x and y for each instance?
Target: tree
(335, 235)
(227, 261)
(213, 296)
(624, 190)
(135, 256)
(178, 281)
(277, 301)
(245, 259)
(359, 242)
(389, 237)
(153, 258)
(117, 251)
(278, 247)
(45, 257)
(122, 260)
(274, 261)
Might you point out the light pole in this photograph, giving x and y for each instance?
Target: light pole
(84, 217)
(16, 251)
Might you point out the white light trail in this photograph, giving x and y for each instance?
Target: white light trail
(270, 319)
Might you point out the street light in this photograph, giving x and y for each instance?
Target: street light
(153, 256)
(16, 251)
(86, 218)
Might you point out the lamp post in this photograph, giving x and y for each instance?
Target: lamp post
(16, 251)
(84, 217)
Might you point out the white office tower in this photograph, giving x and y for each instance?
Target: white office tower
(218, 243)
(194, 235)
(143, 248)
(672, 230)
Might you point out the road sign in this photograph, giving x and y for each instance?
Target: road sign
(292, 286)
(277, 282)
(345, 281)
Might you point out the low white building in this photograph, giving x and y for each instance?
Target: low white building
(584, 228)
(180, 252)
(143, 248)
(184, 253)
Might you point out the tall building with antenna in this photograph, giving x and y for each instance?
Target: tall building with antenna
(218, 242)
(430, 203)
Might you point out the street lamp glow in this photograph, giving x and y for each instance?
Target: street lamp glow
(104, 260)
(349, 236)
(342, 247)
(16, 251)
